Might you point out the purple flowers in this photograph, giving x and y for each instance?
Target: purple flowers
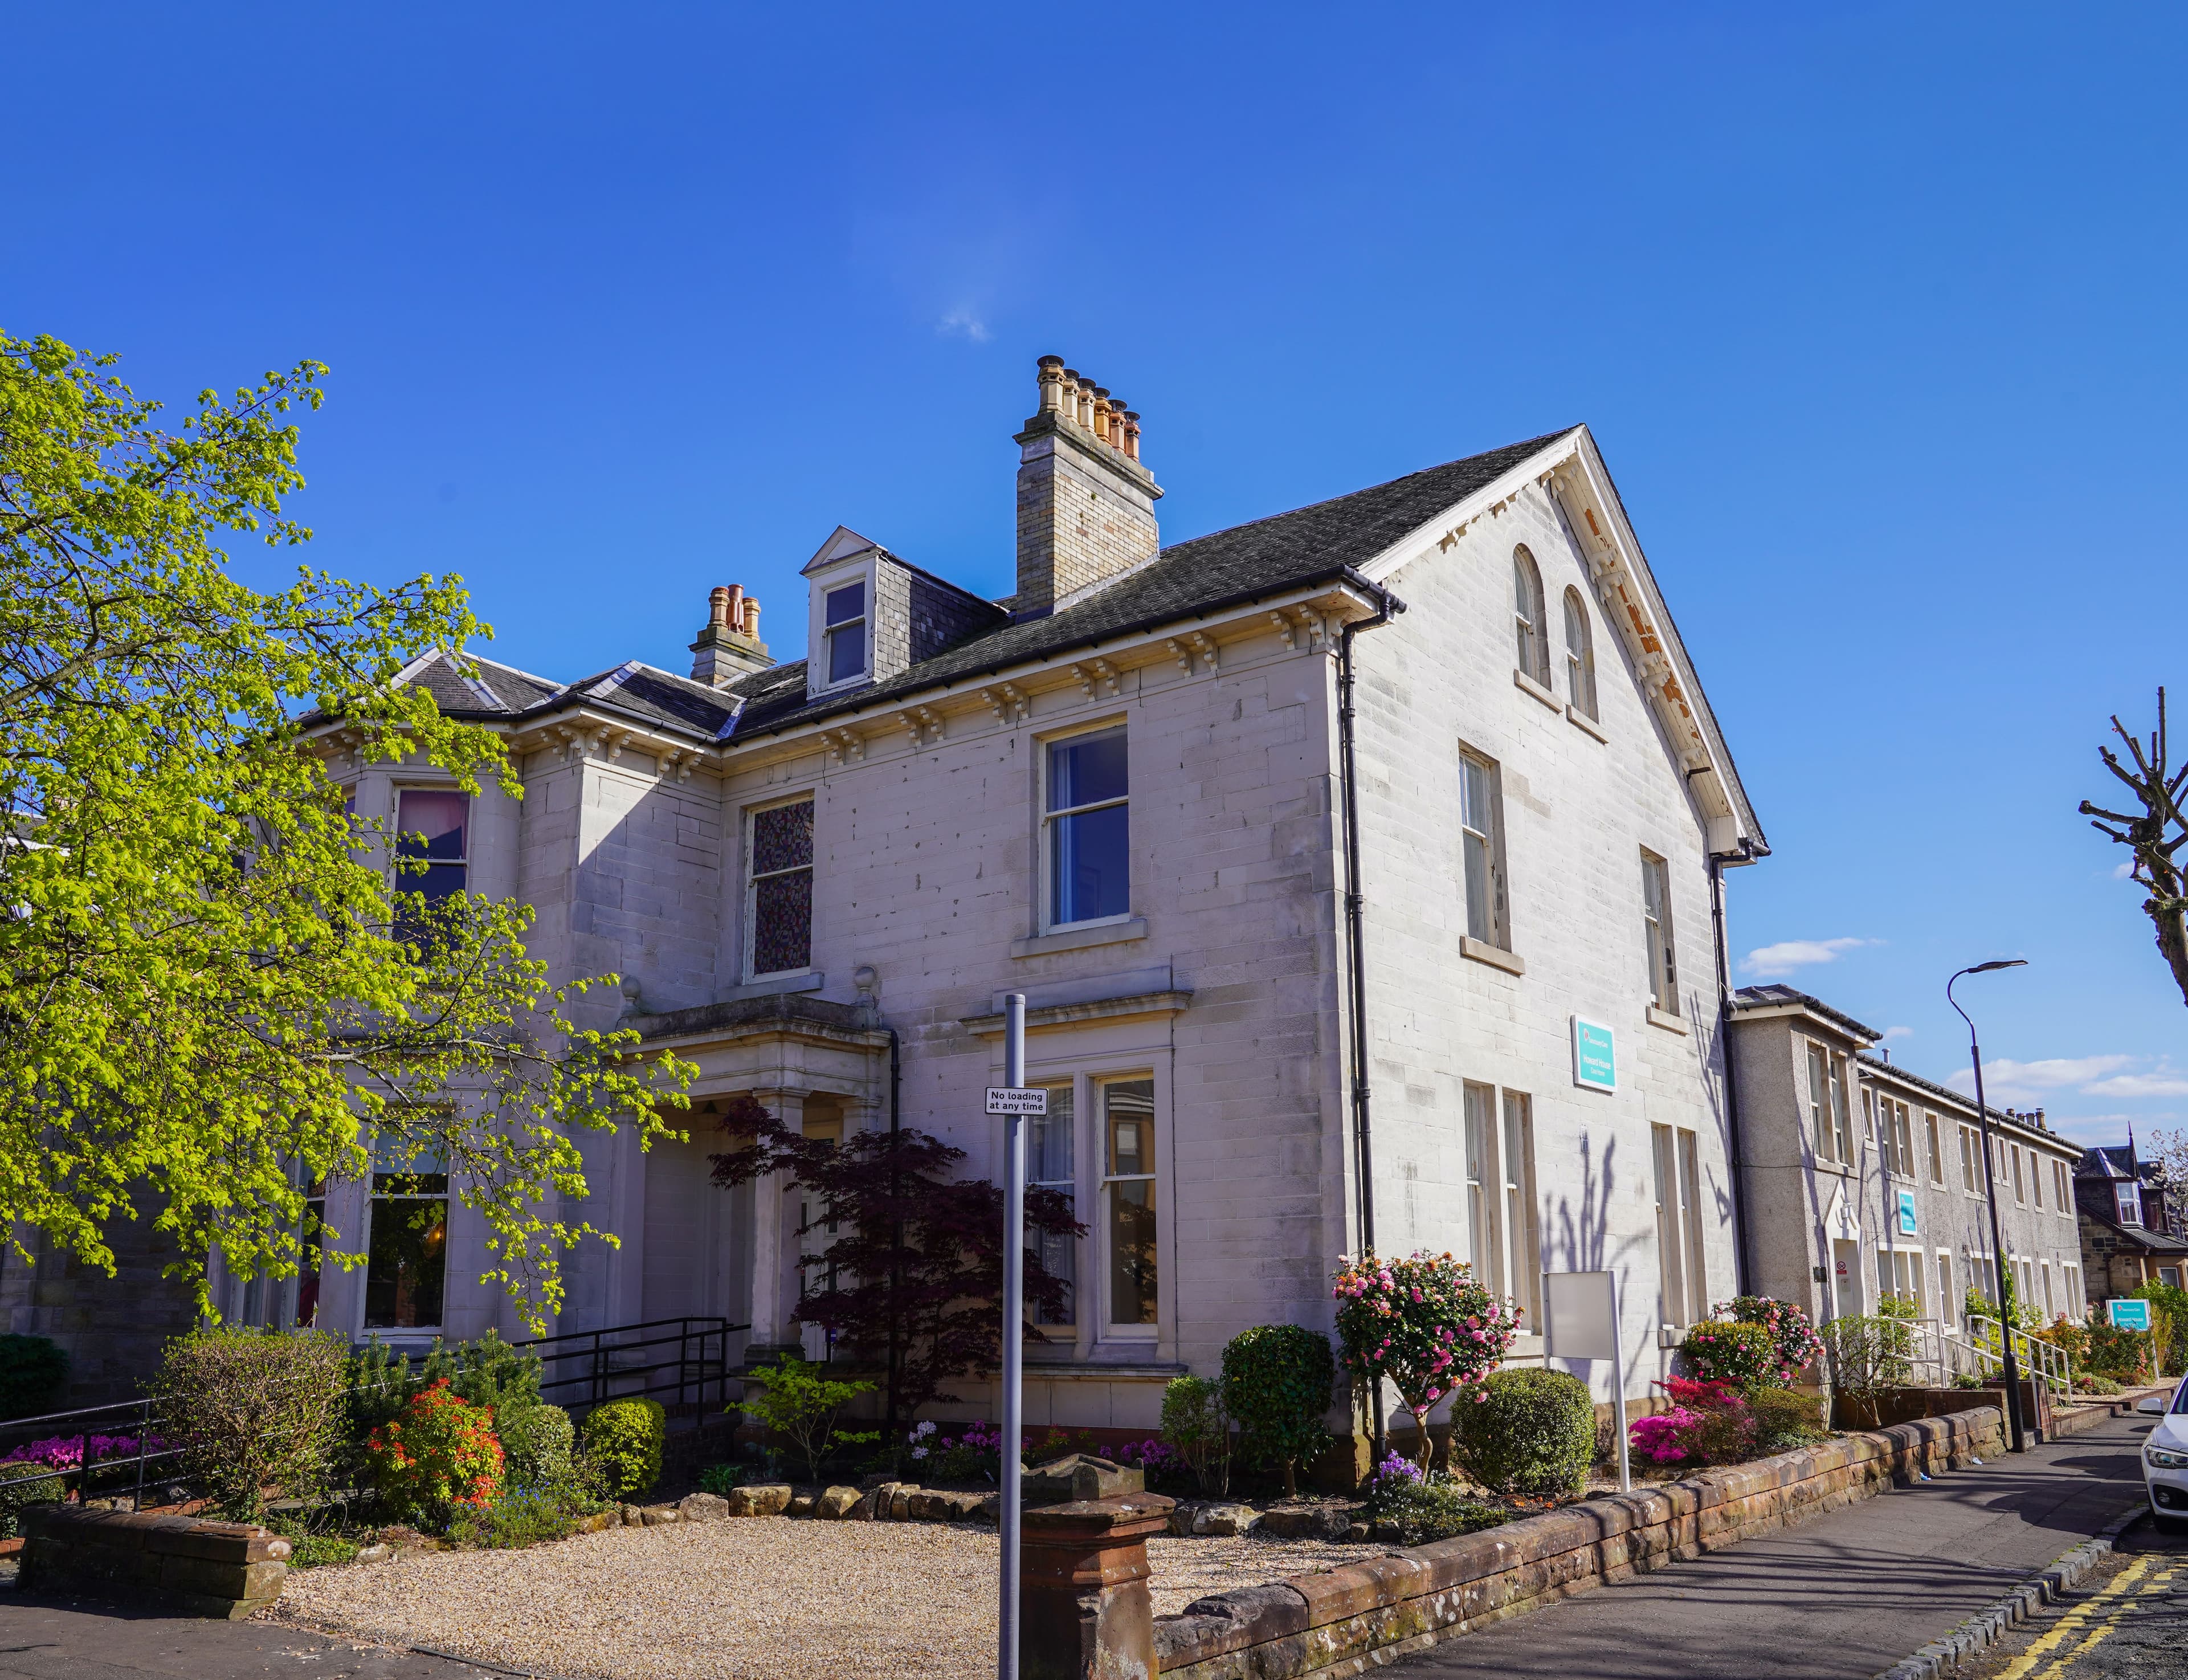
(71, 1452)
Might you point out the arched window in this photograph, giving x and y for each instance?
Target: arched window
(1580, 655)
(1527, 594)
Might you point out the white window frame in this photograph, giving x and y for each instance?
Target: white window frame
(2062, 1188)
(752, 970)
(1068, 1327)
(2124, 1191)
(1521, 1238)
(1933, 1143)
(2070, 1284)
(1948, 1304)
(820, 587)
(2014, 1173)
(1682, 1281)
(449, 1201)
(1657, 927)
(1491, 841)
(1971, 1161)
(1580, 656)
(1532, 641)
(1046, 885)
(1478, 1164)
(1106, 1327)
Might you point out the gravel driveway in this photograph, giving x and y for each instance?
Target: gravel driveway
(753, 1596)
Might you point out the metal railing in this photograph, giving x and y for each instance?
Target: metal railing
(2037, 1358)
(687, 1358)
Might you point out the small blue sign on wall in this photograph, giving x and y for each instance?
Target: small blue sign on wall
(1595, 1055)
(1906, 1213)
(2129, 1315)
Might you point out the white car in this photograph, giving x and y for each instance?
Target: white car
(2165, 1459)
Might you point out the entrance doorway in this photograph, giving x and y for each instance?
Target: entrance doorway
(1846, 1276)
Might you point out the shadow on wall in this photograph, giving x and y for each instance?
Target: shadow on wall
(1581, 1229)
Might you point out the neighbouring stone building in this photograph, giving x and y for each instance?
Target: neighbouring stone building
(2133, 1227)
(1122, 790)
(1863, 1179)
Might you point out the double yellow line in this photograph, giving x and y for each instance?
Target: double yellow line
(2046, 1659)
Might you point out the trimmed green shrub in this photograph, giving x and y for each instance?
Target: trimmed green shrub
(1534, 1433)
(1276, 1384)
(540, 1443)
(32, 1370)
(18, 1490)
(1785, 1419)
(1743, 1355)
(254, 1409)
(623, 1443)
(1414, 1513)
(1194, 1421)
(2086, 1382)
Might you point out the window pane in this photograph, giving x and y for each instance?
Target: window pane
(1129, 1117)
(1091, 860)
(846, 604)
(1474, 800)
(1049, 1157)
(847, 653)
(1086, 770)
(782, 837)
(430, 825)
(1481, 920)
(1479, 1248)
(407, 1265)
(783, 923)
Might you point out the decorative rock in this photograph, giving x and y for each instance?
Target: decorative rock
(652, 1516)
(1315, 1523)
(836, 1501)
(632, 1516)
(373, 1554)
(991, 1508)
(1358, 1534)
(703, 1507)
(1213, 1517)
(802, 1506)
(921, 1506)
(899, 1503)
(599, 1522)
(864, 1511)
(1079, 1475)
(763, 1499)
(403, 1539)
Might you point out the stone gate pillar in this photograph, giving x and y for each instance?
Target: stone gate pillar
(1084, 1609)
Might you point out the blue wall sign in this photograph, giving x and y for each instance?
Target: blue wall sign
(1906, 1213)
(2129, 1315)
(1595, 1055)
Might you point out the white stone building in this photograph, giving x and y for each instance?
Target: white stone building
(1123, 792)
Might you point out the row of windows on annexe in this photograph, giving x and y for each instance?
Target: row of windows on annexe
(1899, 1273)
(1085, 838)
(1913, 1147)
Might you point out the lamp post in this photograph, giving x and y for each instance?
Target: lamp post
(2004, 1283)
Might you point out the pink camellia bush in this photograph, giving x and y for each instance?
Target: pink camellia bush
(1427, 1324)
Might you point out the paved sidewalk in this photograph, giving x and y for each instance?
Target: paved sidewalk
(1840, 1598)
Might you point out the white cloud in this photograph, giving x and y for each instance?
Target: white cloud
(2163, 1083)
(1891, 1033)
(2007, 1080)
(1788, 955)
(2123, 871)
(964, 324)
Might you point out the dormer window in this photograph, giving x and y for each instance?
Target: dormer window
(844, 618)
(2130, 1204)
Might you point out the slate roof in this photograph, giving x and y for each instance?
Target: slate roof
(1775, 996)
(1322, 543)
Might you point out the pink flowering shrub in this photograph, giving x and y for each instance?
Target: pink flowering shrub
(1662, 1437)
(71, 1452)
(1427, 1324)
(1741, 1356)
(1792, 1337)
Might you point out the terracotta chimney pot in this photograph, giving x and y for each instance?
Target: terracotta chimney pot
(717, 605)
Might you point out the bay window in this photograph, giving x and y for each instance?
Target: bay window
(432, 840)
(407, 1259)
(1050, 1166)
(1128, 1197)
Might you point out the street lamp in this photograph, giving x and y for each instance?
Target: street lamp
(2004, 1283)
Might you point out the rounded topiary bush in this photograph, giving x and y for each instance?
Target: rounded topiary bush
(1532, 1432)
(1276, 1383)
(438, 1456)
(622, 1441)
(541, 1444)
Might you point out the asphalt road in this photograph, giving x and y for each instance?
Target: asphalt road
(71, 1639)
(1840, 1598)
(2128, 1621)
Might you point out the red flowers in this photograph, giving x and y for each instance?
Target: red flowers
(440, 1455)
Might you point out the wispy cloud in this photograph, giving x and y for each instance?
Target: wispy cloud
(1789, 954)
(1893, 1032)
(2123, 871)
(964, 323)
(2007, 1080)
(2164, 1083)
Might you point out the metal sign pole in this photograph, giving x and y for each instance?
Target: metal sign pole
(1618, 1390)
(1007, 1659)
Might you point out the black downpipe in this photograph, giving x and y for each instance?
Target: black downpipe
(1356, 961)
(896, 1248)
(1743, 1269)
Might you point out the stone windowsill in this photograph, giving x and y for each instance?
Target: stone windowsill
(1079, 938)
(812, 980)
(1100, 1370)
(1072, 1014)
(1480, 951)
(1584, 721)
(1669, 1022)
(1522, 681)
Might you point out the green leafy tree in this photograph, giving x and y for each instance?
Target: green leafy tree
(793, 1398)
(208, 999)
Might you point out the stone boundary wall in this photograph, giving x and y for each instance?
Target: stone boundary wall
(1346, 1620)
(228, 1570)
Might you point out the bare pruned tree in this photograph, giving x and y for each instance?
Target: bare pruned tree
(2154, 835)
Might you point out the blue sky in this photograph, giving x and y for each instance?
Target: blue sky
(1874, 311)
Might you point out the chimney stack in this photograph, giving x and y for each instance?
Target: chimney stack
(729, 646)
(1086, 504)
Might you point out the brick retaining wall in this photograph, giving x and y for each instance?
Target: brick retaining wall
(1345, 1621)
